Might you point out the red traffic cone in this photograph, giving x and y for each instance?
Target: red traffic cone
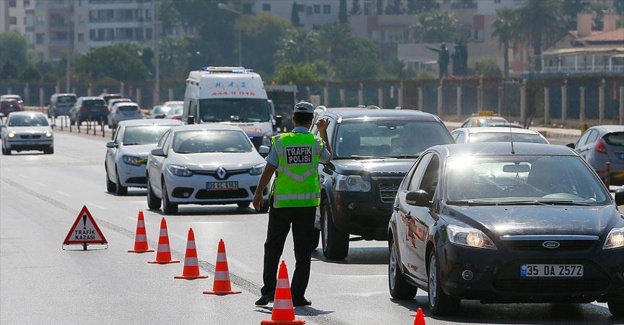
(222, 284)
(191, 265)
(283, 312)
(140, 240)
(163, 255)
(420, 317)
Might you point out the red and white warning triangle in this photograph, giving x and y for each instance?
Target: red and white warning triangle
(85, 230)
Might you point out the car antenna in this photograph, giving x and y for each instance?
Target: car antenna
(513, 152)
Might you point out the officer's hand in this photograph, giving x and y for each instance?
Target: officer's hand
(322, 124)
(258, 201)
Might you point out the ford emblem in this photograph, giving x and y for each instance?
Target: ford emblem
(550, 244)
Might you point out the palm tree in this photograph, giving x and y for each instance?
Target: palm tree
(504, 28)
(541, 21)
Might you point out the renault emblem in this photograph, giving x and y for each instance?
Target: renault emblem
(221, 173)
(551, 244)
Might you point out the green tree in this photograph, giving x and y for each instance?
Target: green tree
(504, 28)
(571, 8)
(356, 8)
(289, 73)
(419, 6)
(542, 22)
(9, 71)
(487, 67)
(394, 7)
(31, 73)
(333, 38)
(359, 60)
(14, 48)
(435, 27)
(343, 17)
(262, 35)
(299, 46)
(294, 15)
(112, 62)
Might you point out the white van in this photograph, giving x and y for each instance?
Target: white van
(230, 95)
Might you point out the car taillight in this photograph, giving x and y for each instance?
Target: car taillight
(84, 108)
(18, 107)
(600, 146)
(177, 118)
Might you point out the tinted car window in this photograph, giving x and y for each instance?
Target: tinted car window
(211, 141)
(615, 139)
(139, 135)
(66, 99)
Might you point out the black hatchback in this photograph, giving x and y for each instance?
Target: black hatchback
(88, 109)
(506, 223)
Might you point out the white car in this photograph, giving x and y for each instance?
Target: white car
(127, 154)
(497, 134)
(27, 131)
(205, 163)
(123, 111)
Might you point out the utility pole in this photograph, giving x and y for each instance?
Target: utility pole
(156, 38)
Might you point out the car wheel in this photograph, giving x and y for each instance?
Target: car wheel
(6, 151)
(399, 288)
(110, 185)
(316, 236)
(49, 151)
(153, 202)
(440, 303)
(335, 242)
(168, 207)
(616, 306)
(243, 204)
(120, 189)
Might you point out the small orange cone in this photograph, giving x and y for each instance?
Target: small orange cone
(420, 317)
(283, 312)
(163, 255)
(191, 264)
(140, 240)
(222, 284)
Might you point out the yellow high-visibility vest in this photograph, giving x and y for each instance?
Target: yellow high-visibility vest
(297, 183)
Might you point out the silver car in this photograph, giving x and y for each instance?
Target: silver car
(497, 134)
(27, 131)
(602, 144)
(127, 154)
(123, 111)
(206, 163)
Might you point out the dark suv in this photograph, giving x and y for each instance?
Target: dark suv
(372, 151)
(88, 109)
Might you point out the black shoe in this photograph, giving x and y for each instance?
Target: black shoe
(263, 301)
(298, 302)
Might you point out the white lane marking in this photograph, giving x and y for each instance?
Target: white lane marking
(63, 193)
(41, 184)
(23, 176)
(95, 205)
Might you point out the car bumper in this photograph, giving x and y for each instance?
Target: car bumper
(193, 190)
(29, 144)
(496, 275)
(132, 175)
(362, 214)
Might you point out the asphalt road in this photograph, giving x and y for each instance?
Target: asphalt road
(42, 283)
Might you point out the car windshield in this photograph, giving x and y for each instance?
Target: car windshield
(234, 110)
(27, 120)
(201, 141)
(148, 134)
(505, 137)
(388, 138)
(66, 99)
(522, 180)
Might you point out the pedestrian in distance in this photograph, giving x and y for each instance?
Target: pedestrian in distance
(294, 158)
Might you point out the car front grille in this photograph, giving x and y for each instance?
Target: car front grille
(30, 136)
(213, 173)
(536, 245)
(387, 187)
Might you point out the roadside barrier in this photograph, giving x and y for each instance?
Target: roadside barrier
(283, 312)
(140, 239)
(222, 285)
(163, 255)
(191, 264)
(420, 317)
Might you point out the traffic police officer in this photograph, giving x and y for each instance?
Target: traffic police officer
(296, 194)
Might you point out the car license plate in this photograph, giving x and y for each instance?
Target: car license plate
(551, 271)
(221, 186)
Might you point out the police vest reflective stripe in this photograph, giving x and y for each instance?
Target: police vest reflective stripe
(296, 184)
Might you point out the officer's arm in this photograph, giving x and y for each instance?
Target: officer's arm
(321, 125)
(265, 178)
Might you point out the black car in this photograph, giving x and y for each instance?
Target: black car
(372, 151)
(88, 108)
(506, 223)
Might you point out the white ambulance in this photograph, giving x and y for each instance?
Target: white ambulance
(230, 95)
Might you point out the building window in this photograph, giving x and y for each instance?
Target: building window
(308, 10)
(478, 35)
(317, 9)
(12, 3)
(12, 20)
(497, 1)
(300, 8)
(266, 7)
(327, 9)
(26, 3)
(368, 8)
(80, 37)
(39, 38)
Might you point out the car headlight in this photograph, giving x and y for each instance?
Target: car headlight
(11, 135)
(179, 171)
(469, 237)
(134, 160)
(48, 134)
(615, 239)
(352, 183)
(257, 169)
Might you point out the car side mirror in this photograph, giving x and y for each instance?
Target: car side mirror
(418, 198)
(619, 196)
(570, 145)
(264, 151)
(111, 144)
(158, 152)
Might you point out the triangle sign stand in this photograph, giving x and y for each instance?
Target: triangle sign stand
(85, 231)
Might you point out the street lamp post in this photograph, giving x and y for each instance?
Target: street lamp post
(223, 6)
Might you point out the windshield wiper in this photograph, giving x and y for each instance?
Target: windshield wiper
(544, 202)
(472, 203)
